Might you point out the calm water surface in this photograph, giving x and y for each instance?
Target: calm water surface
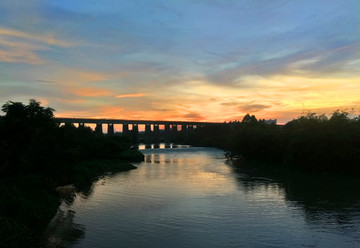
(191, 197)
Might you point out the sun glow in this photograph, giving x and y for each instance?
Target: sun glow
(182, 68)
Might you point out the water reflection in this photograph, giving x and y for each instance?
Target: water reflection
(62, 231)
(162, 159)
(323, 198)
(192, 197)
(160, 146)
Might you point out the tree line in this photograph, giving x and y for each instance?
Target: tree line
(37, 155)
(311, 142)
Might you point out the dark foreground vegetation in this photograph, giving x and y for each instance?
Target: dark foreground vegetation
(312, 142)
(36, 156)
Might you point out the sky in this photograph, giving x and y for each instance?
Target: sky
(196, 60)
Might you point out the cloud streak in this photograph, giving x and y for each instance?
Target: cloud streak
(48, 39)
(200, 60)
(23, 47)
(130, 95)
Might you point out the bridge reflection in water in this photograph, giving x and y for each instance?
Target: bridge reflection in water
(155, 131)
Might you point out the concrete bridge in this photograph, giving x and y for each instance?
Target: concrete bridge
(152, 128)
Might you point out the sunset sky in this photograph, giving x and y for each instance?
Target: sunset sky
(201, 60)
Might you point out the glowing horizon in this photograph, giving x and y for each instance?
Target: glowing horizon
(207, 60)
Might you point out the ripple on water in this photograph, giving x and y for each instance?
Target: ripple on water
(190, 197)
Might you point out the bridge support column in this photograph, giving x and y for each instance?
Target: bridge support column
(183, 134)
(81, 125)
(167, 133)
(125, 130)
(98, 128)
(174, 133)
(184, 129)
(147, 133)
(110, 129)
(156, 134)
(69, 124)
(190, 128)
(135, 133)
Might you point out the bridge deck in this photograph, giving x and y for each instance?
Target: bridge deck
(139, 122)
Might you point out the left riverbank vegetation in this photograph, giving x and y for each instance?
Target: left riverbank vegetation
(314, 143)
(36, 156)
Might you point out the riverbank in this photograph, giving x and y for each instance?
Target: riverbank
(88, 171)
(37, 155)
(29, 202)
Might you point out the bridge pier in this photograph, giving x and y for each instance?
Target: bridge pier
(135, 133)
(81, 125)
(110, 129)
(184, 129)
(174, 132)
(125, 130)
(190, 128)
(147, 133)
(182, 135)
(98, 128)
(167, 133)
(156, 134)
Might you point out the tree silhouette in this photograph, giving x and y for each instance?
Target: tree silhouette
(36, 155)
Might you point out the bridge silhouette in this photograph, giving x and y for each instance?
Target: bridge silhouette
(152, 127)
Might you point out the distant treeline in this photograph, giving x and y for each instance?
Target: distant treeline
(36, 156)
(312, 142)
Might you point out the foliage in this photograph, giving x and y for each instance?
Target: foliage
(326, 144)
(36, 155)
(312, 142)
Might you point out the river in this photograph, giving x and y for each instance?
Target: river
(192, 197)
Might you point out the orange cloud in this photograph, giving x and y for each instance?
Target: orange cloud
(281, 97)
(47, 38)
(72, 76)
(92, 92)
(22, 47)
(194, 116)
(20, 56)
(131, 95)
(114, 112)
